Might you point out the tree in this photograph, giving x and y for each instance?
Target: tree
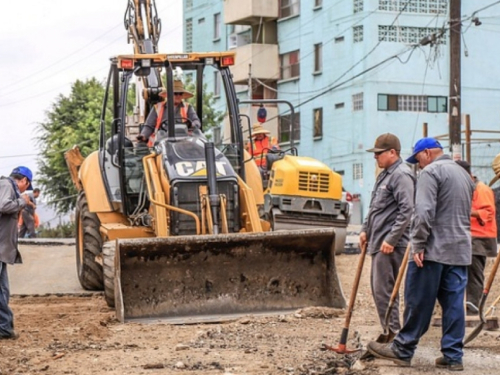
(71, 120)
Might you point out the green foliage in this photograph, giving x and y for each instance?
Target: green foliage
(65, 230)
(72, 120)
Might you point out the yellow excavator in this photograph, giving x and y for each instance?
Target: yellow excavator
(174, 231)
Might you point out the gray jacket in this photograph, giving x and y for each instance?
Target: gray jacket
(150, 124)
(391, 207)
(10, 205)
(441, 225)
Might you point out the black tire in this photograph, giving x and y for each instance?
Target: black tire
(88, 246)
(108, 252)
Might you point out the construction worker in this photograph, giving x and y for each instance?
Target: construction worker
(27, 217)
(260, 145)
(157, 119)
(440, 253)
(483, 226)
(386, 229)
(11, 203)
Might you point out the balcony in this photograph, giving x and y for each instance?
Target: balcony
(264, 59)
(249, 12)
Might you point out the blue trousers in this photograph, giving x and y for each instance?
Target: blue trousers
(6, 316)
(422, 287)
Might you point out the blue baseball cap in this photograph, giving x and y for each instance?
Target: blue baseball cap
(421, 145)
(26, 172)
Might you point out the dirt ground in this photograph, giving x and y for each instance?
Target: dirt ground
(78, 334)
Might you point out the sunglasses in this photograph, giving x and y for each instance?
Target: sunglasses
(378, 153)
(178, 93)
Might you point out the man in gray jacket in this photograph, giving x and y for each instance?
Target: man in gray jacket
(386, 227)
(441, 252)
(11, 203)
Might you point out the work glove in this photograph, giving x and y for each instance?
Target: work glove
(141, 138)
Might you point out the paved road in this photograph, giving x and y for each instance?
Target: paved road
(49, 267)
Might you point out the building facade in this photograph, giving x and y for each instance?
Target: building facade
(355, 69)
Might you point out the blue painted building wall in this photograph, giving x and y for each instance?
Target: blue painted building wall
(348, 133)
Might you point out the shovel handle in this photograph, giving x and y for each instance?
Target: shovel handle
(352, 297)
(397, 284)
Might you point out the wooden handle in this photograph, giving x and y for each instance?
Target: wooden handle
(401, 273)
(352, 297)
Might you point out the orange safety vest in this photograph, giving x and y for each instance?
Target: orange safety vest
(160, 108)
(483, 201)
(260, 149)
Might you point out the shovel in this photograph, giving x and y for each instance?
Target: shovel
(341, 348)
(387, 336)
(482, 301)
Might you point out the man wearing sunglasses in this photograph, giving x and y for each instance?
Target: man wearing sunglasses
(11, 203)
(157, 118)
(386, 227)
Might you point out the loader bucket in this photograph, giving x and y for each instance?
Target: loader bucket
(191, 279)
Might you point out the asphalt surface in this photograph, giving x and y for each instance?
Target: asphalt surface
(49, 267)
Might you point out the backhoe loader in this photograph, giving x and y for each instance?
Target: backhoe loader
(173, 231)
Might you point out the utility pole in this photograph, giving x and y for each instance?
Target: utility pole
(454, 108)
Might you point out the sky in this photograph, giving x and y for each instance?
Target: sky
(45, 46)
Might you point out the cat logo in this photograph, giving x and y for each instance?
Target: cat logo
(197, 168)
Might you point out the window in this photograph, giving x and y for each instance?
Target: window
(318, 3)
(414, 6)
(387, 102)
(437, 104)
(189, 4)
(217, 24)
(289, 65)
(201, 20)
(357, 171)
(318, 57)
(289, 8)
(217, 83)
(318, 123)
(357, 34)
(413, 103)
(357, 102)
(284, 128)
(407, 35)
(357, 6)
(339, 105)
(339, 39)
(189, 35)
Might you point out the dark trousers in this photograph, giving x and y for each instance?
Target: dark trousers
(475, 283)
(384, 271)
(422, 287)
(6, 316)
(28, 227)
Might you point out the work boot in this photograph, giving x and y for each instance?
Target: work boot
(385, 351)
(443, 362)
(13, 336)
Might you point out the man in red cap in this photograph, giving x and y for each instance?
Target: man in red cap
(11, 203)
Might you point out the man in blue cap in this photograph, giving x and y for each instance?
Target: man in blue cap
(11, 203)
(440, 253)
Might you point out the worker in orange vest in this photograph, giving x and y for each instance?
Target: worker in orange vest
(157, 119)
(261, 144)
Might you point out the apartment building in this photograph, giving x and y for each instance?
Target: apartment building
(354, 69)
